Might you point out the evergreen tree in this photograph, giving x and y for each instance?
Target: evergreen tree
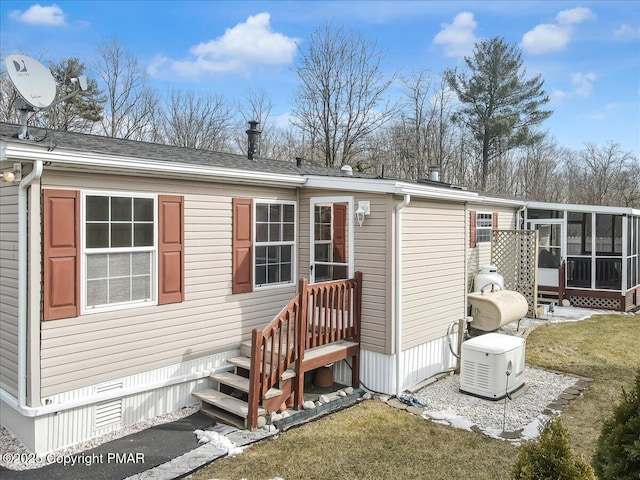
(618, 451)
(551, 457)
(499, 104)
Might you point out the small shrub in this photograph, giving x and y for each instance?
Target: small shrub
(618, 450)
(551, 457)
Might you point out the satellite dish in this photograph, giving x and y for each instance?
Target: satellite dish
(31, 79)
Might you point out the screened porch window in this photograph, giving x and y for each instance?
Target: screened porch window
(119, 250)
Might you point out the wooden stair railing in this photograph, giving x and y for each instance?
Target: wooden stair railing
(318, 315)
(272, 353)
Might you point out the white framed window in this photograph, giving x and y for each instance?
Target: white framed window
(119, 245)
(274, 242)
(484, 225)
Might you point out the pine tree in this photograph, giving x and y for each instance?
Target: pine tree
(551, 457)
(618, 451)
(499, 104)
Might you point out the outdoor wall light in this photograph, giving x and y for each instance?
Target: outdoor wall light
(12, 175)
(364, 209)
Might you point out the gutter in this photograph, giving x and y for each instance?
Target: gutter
(398, 288)
(83, 162)
(23, 279)
(102, 397)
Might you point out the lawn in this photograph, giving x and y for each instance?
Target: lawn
(374, 441)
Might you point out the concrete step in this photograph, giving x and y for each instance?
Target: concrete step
(245, 363)
(225, 402)
(241, 383)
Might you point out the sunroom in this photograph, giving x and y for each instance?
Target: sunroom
(588, 255)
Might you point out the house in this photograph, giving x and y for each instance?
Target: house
(132, 273)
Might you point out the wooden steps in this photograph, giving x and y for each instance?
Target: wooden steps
(225, 408)
(245, 363)
(241, 383)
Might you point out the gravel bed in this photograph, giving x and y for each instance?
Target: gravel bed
(523, 414)
(11, 445)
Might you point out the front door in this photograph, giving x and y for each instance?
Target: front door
(550, 251)
(331, 234)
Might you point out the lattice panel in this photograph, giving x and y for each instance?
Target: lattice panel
(595, 302)
(515, 252)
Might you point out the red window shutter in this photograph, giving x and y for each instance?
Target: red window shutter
(61, 245)
(494, 220)
(170, 249)
(242, 249)
(472, 229)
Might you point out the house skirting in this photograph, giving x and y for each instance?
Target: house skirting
(377, 370)
(75, 416)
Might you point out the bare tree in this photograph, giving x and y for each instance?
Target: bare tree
(129, 101)
(340, 99)
(604, 175)
(80, 112)
(538, 171)
(195, 121)
(499, 105)
(255, 105)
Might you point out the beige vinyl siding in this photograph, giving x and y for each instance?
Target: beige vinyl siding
(9, 288)
(481, 254)
(433, 246)
(95, 348)
(372, 257)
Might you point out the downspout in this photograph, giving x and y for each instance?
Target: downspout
(23, 279)
(398, 296)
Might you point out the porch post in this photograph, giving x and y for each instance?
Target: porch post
(255, 377)
(300, 342)
(357, 310)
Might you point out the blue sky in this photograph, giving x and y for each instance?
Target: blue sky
(587, 52)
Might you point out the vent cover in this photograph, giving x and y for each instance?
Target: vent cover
(109, 412)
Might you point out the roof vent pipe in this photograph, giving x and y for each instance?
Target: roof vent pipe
(347, 170)
(298, 161)
(434, 173)
(253, 135)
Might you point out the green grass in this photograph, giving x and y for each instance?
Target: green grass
(374, 441)
(603, 347)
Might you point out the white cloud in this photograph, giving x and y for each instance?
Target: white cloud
(553, 37)
(574, 16)
(457, 38)
(242, 47)
(545, 38)
(583, 83)
(626, 32)
(154, 67)
(39, 15)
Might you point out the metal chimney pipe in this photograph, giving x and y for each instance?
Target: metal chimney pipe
(434, 173)
(253, 135)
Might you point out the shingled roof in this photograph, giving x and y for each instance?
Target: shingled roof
(82, 142)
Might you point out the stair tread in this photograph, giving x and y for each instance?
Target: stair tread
(226, 402)
(316, 352)
(241, 383)
(245, 362)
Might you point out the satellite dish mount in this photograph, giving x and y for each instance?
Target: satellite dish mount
(36, 88)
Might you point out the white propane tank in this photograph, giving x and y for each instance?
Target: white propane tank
(488, 275)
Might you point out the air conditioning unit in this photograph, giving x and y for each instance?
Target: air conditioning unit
(485, 361)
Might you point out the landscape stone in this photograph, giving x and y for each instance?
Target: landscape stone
(342, 393)
(308, 405)
(324, 399)
(366, 396)
(415, 410)
(348, 390)
(261, 422)
(397, 404)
